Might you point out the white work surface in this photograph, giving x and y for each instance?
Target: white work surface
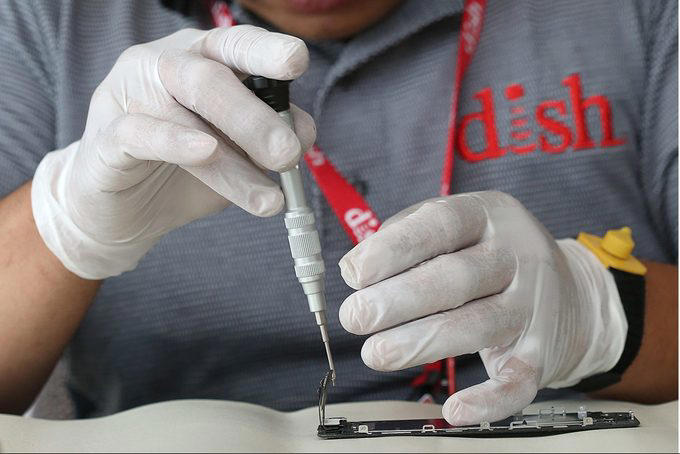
(210, 425)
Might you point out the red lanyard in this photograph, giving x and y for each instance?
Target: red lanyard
(353, 211)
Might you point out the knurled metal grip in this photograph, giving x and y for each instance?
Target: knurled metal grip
(304, 243)
(299, 220)
(309, 270)
(305, 247)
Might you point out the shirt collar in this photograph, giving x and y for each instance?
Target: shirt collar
(410, 17)
(407, 19)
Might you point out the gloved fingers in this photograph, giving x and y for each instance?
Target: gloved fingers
(305, 128)
(235, 177)
(242, 181)
(442, 283)
(193, 195)
(435, 228)
(495, 399)
(407, 211)
(213, 91)
(256, 51)
(138, 137)
(134, 139)
(479, 324)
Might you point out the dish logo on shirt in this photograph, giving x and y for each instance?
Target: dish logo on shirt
(549, 116)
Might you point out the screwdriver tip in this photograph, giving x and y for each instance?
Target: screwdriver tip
(329, 355)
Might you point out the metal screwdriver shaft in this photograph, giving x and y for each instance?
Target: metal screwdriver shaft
(303, 237)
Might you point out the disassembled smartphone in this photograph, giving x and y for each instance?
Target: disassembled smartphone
(546, 422)
(549, 421)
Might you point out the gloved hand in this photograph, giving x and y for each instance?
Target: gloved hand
(478, 273)
(172, 135)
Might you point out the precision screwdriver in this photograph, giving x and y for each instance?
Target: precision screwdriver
(303, 237)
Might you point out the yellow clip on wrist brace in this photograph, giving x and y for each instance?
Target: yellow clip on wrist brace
(614, 250)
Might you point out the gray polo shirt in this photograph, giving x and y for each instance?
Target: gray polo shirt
(570, 106)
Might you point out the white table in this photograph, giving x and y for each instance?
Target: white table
(210, 425)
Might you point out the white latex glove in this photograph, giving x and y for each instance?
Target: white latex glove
(478, 273)
(172, 135)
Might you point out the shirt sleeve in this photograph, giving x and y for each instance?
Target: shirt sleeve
(27, 118)
(659, 129)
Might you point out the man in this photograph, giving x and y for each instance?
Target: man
(567, 108)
